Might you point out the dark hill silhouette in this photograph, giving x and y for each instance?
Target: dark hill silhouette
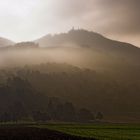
(84, 38)
(92, 49)
(105, 51)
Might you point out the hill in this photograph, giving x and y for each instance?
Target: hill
(92, 48)
(85, 88)
(84, 67)
(5, 42)
(84, 38)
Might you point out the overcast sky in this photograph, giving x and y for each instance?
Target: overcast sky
(22, 20)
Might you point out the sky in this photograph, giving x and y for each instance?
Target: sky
(25, 20)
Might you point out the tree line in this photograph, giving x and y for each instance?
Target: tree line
(19, 101)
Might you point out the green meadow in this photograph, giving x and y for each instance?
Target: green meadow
(100, 131)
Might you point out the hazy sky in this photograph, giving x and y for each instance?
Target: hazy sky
(22, 20)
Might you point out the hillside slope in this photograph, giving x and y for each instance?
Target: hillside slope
(5, 42)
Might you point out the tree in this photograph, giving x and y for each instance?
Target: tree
(85, 115)
(69, 113)
(99, 116)
(40, 116)
(51, 109)
(5, 117)
(63, 112)
(18, 111)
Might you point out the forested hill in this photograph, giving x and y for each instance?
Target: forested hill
(19, 101)
(84, 88)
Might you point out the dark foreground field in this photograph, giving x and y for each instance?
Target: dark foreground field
(32, 133)
(70, 132)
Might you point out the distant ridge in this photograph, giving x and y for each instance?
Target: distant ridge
(81, 38)
(5, 42)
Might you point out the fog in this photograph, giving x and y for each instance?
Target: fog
(22, 57)
(95, 57)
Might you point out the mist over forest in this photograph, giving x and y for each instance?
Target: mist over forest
(69, 69)
(80, 71)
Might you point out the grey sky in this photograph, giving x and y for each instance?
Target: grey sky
(29, 19)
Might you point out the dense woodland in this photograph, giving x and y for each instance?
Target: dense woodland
(20, 102)
(57, 92)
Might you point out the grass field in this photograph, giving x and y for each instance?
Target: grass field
(69, 131)
(100, 132)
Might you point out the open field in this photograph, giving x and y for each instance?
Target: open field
(69, 132)
(100, 131)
